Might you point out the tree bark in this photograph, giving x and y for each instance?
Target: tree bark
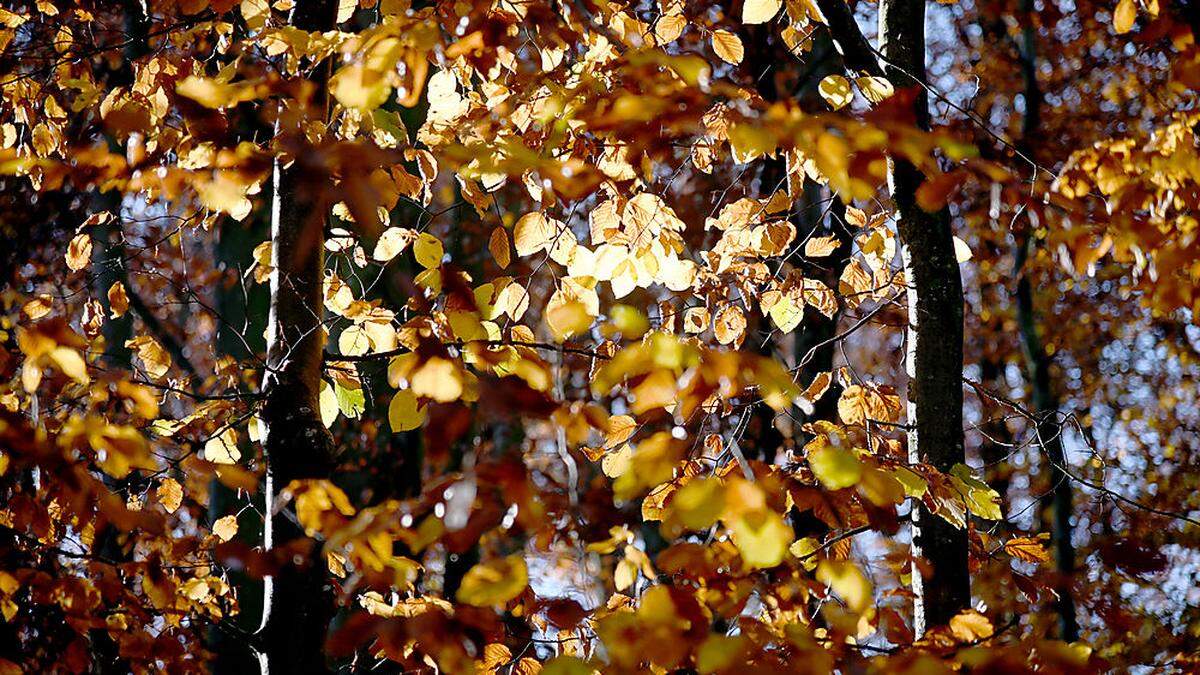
(935, 333)
(297, 599)
(1037, 362)
(935, 306)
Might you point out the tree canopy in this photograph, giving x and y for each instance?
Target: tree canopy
(572, 336)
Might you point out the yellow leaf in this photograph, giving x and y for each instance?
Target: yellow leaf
(914, 486)
(853, 406)
(404, 413)
(730, 325)
(154, 358)
(499, 246)
(118, 301)
(1124, 16)
(428, 251)
(223, 448)
(669, 27)
(876, 89)
(438, 379)
(567, 317)
(356, 86)
(38, 307)
(847, 581)
(721, 654)
(699, 503)
(354, 340)
(327, 402)
(630, 321)
(836, 91)
(819, 247)
(225, 528)
(70, 363)
(760, 11)
(392, 243)
(980, 498)
(1028, 549)
(212, 93)
(170, 494)
(494, 582)
(79, 252)
(616, 463)
(761, 536)
(971, 626)
(728, 46)
(532, 233)
(836, 468)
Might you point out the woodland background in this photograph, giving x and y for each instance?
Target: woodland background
(575, 336)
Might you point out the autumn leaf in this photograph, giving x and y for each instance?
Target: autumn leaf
(79, 252)
(836, 91)
(170, 494)
(223, 447)
(848, 581)
(154, 358)
(499, 246)
(225, 528)
(404, 413)
(1124, 16)
(118, 301)
(836, 468)
(1029, 549)
(728, 46)
(494, 582)
(971, 626)
(760, 11)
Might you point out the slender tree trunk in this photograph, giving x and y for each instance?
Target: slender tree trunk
(297, 600)
(935, 333)
(1037, 362)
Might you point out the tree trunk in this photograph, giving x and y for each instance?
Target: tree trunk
(935, 333)
(297, 600)
(1037, 361)
(1049, 436)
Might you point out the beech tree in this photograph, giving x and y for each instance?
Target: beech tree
(756, 336)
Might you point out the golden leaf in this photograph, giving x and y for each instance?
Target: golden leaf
(761, 536)
(223, 448)
(729, 325)
(1124, 16)
(836, 91)
(79, 252)
(532, 233)
(847, 581)
(154, 358)
(876, 89)
(728, 46)
(494, 582)
(499, 246)
(404, 412)
(836, 468)
(760, 11)
(392, 243)
(170, 494)
(118, 301)
(971, 626)
(1029, 549)
(428, 250)
(225, 528)
(819, 247)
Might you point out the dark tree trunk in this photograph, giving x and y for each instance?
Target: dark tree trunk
(297, 600)
(935, 333)
(1037, 362)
